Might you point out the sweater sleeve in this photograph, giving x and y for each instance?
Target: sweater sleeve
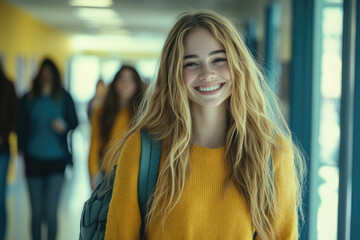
(13, 110)
(70, 112)
(286, 222)
(23, 123)
(124, 219)
(95, 145)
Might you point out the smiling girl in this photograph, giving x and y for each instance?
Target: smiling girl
(228, 168)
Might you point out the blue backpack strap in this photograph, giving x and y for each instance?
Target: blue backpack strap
(148, 173)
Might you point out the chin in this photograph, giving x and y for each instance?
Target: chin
(209, 104)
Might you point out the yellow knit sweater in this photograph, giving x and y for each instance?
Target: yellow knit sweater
(203, 212)
(121, 124)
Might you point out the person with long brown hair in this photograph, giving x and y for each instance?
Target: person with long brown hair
(110, 121)
(97, 99)
(47, 116)
(229, 168)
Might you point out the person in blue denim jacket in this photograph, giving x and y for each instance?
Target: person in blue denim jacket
(47, 116)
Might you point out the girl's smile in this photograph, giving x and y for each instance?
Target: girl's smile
(210, 89)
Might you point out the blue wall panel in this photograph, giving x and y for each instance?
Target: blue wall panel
(355, 208)
(301, 86)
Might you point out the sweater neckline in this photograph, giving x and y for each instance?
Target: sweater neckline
(208, 152)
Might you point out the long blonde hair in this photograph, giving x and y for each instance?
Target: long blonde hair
(256, 129)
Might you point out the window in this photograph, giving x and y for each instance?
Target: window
(330, 41)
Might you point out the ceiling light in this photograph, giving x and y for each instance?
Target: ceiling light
(91, 13)
(116, 44)
(105, 22)
(114, 32)
(91, 3)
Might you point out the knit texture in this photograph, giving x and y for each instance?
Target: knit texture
(205, 210)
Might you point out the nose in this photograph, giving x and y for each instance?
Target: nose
(207, 74)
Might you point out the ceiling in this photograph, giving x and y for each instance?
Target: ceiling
(140, 25)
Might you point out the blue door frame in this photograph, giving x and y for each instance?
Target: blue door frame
(301, 88)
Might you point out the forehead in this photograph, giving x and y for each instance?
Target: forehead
(46, 69)
(201, 40)
(125, 73)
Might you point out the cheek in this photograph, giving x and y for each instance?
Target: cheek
(118, 86)
(188, 78)
(131, 84)
(133, 88)
(225, 73)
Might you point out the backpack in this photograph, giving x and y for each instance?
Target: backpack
(94, 214)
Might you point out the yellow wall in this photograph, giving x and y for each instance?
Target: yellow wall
(22, 34)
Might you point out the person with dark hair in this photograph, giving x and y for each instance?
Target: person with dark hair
(47, 116)
(112, 118)
(8, 121)
(95, 101)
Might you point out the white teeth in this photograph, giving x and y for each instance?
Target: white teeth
(209, 89)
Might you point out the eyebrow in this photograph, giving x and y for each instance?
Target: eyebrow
(212, 53)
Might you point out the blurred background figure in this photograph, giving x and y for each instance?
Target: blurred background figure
(100, 92)
(113, 117)
(47, 114)
(8, 121)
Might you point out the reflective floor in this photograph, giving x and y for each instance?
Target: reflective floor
(76, 190)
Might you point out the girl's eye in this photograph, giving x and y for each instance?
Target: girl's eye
(220, 60)
(190, 64)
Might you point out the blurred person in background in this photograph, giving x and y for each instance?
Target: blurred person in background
(47, 115)
(8, 122)
(94, 103)
(112, 118)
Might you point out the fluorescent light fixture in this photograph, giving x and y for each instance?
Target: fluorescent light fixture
(95, 13)
(105, 22)
(91, 3)
(116, 44)
(114, 32)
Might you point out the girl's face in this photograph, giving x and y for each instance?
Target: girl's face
(125, 85)
(206, 71)
(46, 76)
